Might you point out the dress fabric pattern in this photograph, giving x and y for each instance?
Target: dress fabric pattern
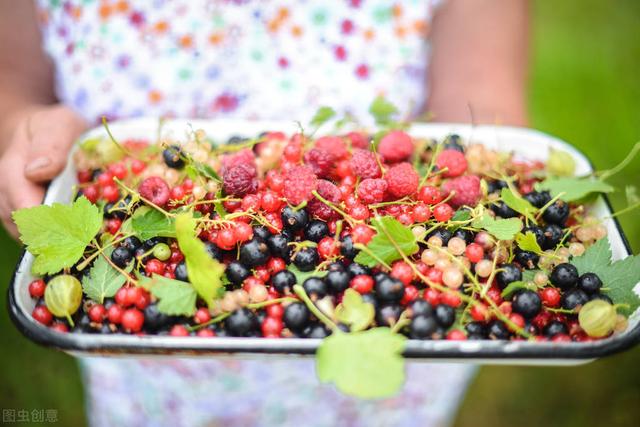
(251, 59)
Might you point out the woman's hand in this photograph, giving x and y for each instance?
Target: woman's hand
(36, 152)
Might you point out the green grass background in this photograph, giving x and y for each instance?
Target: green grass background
(585, 89)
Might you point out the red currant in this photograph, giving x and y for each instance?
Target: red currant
(226, 239)
(327, 248)
(474, 252)
(402, 271)
(272, 326)
(456, 335)
(60, 327)
(550, 297)
(429, 194)
(42, 315)
(243, 232)
(154, 266)
(114, 314)
(132, 320)
(97, 313)
(421, 213)
(206, 333)
(362, 283)
(443, 212)
(275, 310)
(36, 288)
(276, 264)
(202, 315)
(179, 331)
(110, 193)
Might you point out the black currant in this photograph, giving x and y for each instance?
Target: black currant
(527, 260)
(337, 281)
(121, 256)
(453, 142)
(279, 246)
(317, 330)
(254, 253)
(590, 283)
(552, 236)
(574, 298)
(496, 186)
(110, 211)
(355, 269)
(476, 328)
(241, 322)
(445, 315)
(420, 307)
(466, 235)
(422, 327)
(180, 272)
(389, 290)
(497, 330)
(294, 220)
(502, 210)
(388, 314)
(557, 213)
(154, 319)
(315, 287)
(554, 328)
(213, 250)
(237, 272)
(262, 232)
(442, 233)
(306, 259)
(603, 297)
(172, 156)
(347, 249)
(564, 275)
(296, 316)
(508, 273)
(132, 243)
(538, 199)
(283, 281)
(316, 230)
(526, 303)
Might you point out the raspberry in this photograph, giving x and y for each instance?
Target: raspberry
(396, 146)
(329, 191)
(242, 157)
(454, 161)
(358, 139)
(299, 182)
(240, 180)
(334, 145)
(321, 161)
(155, 189)
(364, 164)
(466, 190)
(402, 180)
(371, 190)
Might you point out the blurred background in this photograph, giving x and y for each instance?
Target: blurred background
(584, 89)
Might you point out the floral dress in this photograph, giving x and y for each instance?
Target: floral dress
(252, 59)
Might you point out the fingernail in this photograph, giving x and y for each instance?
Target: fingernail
(36, 164)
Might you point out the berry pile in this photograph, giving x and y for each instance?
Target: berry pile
(436, 239)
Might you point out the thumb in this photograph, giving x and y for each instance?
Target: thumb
(51, 134)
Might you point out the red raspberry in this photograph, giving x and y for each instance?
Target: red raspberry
(299, 182)
(155, 189)
(372, 190)
(329, 191)
(364, 164)
(396, 146)
(242, 157)
(466, 190)
(334, 145)
(402, 180)
(454, 161)
(358, 139)
(321, 161)
(240, 180)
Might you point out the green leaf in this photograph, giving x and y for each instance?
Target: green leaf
(353, 311)
(301, 276)
(517, 203)
(366, 364)
(323, 115)
(153, 223)
(218, 205)
(382, 110)
(205, 273)
(528, 242)
(573, 188)
(382, 247)
(501, 229)
(516, 286)
(57, 235)
(103, 281)
(461, 215)
(560, 163)
(529, 275)
(175, 298)
(619, 278)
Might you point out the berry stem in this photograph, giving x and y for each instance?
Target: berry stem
(99, 250)
(300, 292)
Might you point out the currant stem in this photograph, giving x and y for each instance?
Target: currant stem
(300, 292)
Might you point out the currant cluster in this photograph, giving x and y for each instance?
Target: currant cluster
(282, 212)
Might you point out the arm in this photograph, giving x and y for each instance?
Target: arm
(479, 62)
(35, 133)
